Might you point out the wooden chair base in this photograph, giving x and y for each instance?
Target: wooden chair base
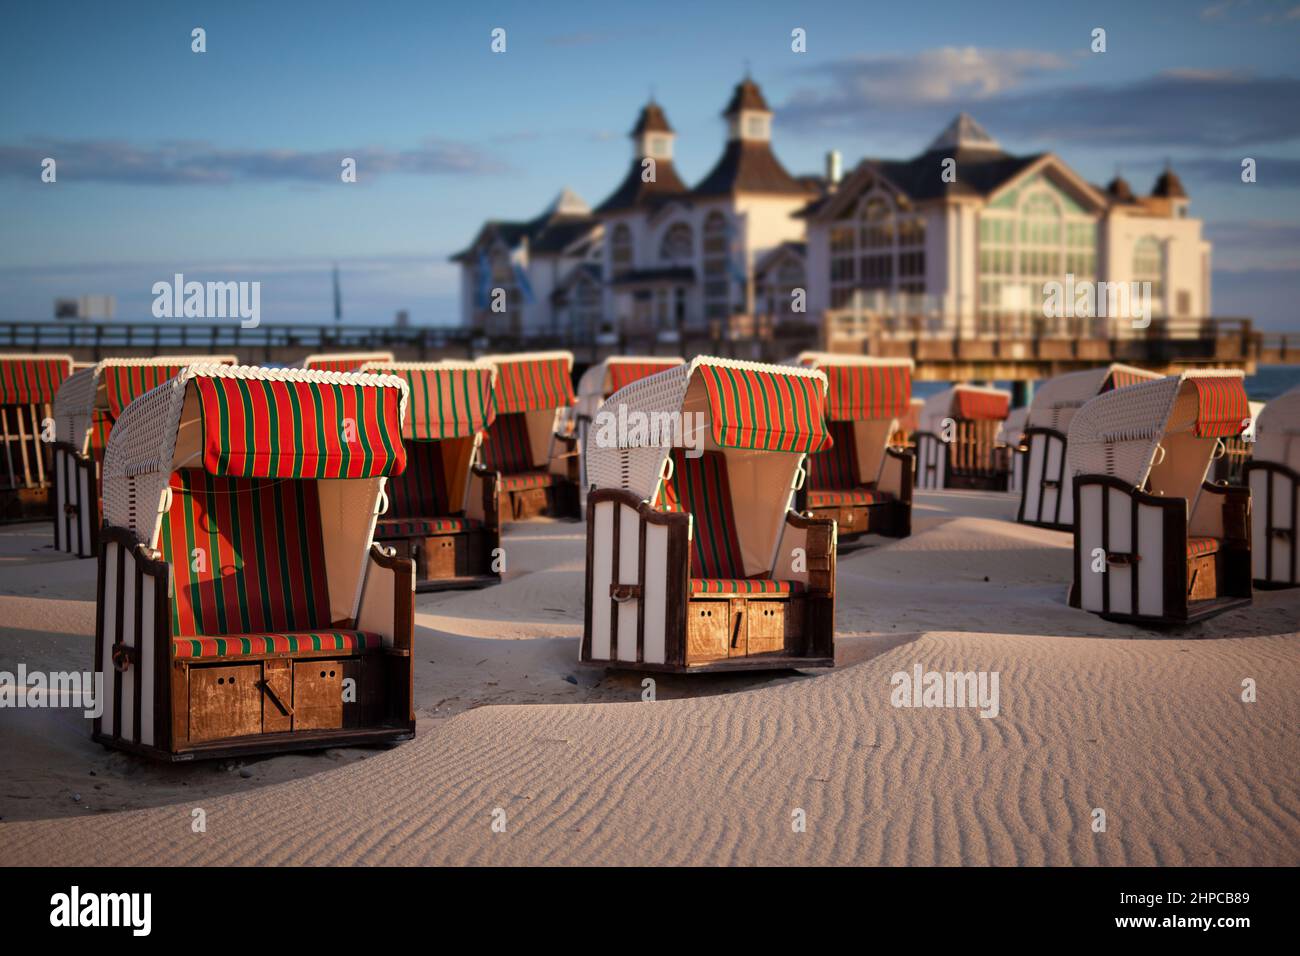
(457, 560)
(560, 500)
(889, 519)
(26, 504)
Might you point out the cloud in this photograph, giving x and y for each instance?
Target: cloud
(203, 163)
(1270, 171)
(938, 76)
(1177, 108)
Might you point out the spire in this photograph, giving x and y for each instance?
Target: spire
(963, 133)
(567, 203)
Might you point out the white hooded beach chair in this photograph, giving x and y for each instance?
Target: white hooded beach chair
(956, 445)
(345, 361)
(1047, 492)
(1273, 477)
(444, 509)
(695, 560)
(85, 409)
(1154, 543)
(242, 606)
(28, 385)
(860, 481)
(538, 464)
(598, 383)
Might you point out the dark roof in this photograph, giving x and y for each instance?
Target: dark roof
(1118, 190)
(632, 192)
(549, 233)
(651, 120)
(750, 166)
(978, 172)
(746, 96)
(1169, 186)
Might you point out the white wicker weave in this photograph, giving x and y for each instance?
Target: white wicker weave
(1277, 430)
(72, 408)
(1013, 429)
(1117, 433)
(595, 381)
(1057, 399)
(141, 452)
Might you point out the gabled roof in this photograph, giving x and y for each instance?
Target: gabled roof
(565, 221)
(651, 120)
(634, 193)
(963, 133)
(750, 166)
(746, 96)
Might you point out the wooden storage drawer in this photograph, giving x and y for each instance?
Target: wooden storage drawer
(318, 695)
(225, 701)
(1203, 577)
(529, 502)
(768, 622)
(707, 631)
(440, 556)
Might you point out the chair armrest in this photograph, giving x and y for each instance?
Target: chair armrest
(896, 473)
(815, 537)
(388, 598)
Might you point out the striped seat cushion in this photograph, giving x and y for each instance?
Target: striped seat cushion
(835, 467)
(406, 527)
(743, 586)
(1198, 547)
(298, 642)
(852, 496)
(528, 479)
(506, 447)
(700, 486)
(247, 556)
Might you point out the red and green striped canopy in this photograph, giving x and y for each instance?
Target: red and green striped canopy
(447, 402)
(772, 411)
(31, 381)
(625, 373)
(1222, 407)
(862, 392)
(1122, 378)
(263, 428)
(531, 384)
(980, 406)
(125, 383)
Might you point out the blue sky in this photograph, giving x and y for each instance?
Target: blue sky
(225, 164)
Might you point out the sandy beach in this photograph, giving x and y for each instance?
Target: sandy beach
(1148, 727)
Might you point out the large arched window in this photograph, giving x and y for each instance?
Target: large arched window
(620, 249)
(877, 248)
(717, 268)
(678, 245)
(1149, 266)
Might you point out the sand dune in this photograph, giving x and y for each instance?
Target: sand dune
(1148, 727)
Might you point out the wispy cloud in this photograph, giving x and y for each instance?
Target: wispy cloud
(203, 163)
(1176, 108)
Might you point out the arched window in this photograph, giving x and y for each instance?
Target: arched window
(678, 244)
(620, 249)
(717, 268)
(1149, 266)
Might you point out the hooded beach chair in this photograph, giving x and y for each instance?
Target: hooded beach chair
(85, 408)
(1154, 542)
(598, 383)
(28, 385)
(538, 465)
(443, 510)
(859, 480)
(695, 560)
(345, 361)
(242, 605)
(1230, 467)
(956, 445)
(1047, 491)
(1273, 477)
